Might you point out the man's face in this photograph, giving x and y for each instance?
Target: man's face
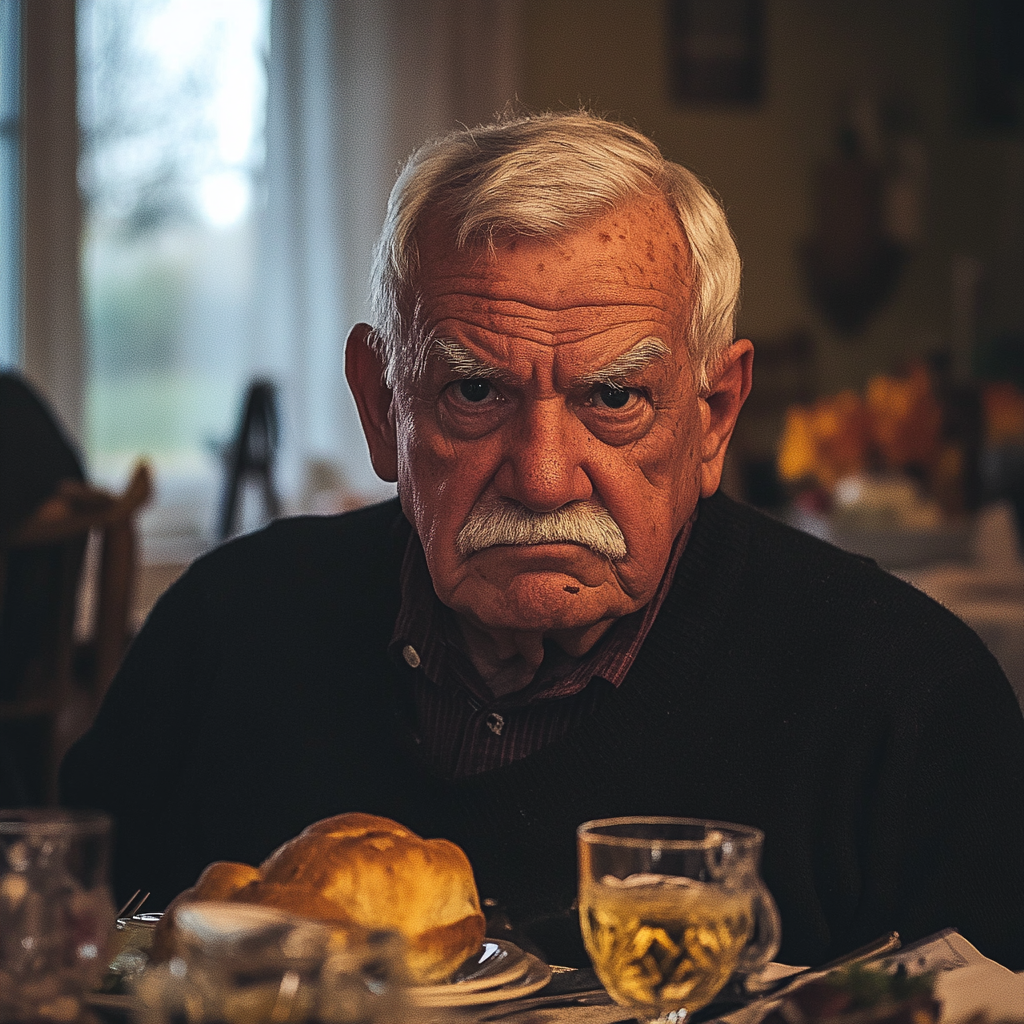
(553, 373)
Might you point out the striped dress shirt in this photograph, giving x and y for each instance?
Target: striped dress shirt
(461, 728)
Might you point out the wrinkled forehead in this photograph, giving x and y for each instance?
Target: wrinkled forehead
(631, 262)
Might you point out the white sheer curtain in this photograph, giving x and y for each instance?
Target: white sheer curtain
(355, 85)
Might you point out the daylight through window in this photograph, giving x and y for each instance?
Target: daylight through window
(172, 97)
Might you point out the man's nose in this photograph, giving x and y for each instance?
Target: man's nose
(543, 467)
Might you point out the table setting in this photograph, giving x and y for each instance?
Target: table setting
(675, 917)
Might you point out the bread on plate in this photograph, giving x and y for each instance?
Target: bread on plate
(358, 873)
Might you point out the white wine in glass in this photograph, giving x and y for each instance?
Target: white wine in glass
(671, 908)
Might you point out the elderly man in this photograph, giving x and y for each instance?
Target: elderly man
(561, 618)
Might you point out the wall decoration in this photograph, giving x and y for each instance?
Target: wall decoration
(867, 200)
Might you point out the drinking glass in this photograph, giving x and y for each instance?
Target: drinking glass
(56, 912)
(241, 964)
(671, 908)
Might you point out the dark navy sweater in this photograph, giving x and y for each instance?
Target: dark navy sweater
(785, 684)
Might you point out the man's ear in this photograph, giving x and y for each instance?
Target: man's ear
(365, 372)
(730, 379)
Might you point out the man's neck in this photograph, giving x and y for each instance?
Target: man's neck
(508, 660)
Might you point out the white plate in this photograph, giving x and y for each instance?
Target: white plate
(501, 971)
(537, 975)
(497, 963)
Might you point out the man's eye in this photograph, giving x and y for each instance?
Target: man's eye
(612, 397)
(475, 390)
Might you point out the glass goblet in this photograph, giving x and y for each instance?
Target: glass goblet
(56, 911)
(671, 909)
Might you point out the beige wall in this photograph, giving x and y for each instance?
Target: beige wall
(611, 55)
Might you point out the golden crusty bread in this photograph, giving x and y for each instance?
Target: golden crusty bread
(359, 873)
(219, 881)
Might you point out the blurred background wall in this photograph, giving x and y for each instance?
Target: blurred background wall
(910, 64)
(870, 156)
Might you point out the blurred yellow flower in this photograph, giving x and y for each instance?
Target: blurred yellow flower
(825, 441)
(904, 418)
(896, 425)
(896, 429)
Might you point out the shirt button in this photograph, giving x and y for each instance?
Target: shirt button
(411, 655)
(495, 723)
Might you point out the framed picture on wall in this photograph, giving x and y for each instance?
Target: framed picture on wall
(715, 50)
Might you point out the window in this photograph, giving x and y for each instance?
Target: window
(234, 162)
(171, 98)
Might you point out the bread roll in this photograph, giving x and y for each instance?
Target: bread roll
(219, 881)
(360, 873)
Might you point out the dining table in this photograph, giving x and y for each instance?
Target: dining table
(967, 984)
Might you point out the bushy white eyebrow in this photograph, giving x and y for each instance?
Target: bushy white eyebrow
(467, 366)
(641, 355)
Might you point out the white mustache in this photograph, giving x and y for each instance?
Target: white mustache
(497, 522)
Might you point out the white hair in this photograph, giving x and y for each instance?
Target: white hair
(542, 175)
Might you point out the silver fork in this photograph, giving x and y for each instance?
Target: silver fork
(134, 905)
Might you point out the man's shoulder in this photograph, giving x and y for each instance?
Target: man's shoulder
(780, 552)
(366, 530)
(722, 512)
(801, 590)
(356, 552)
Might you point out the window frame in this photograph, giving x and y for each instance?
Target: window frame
(10, 183)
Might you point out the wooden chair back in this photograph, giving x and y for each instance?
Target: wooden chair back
(50, 691)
